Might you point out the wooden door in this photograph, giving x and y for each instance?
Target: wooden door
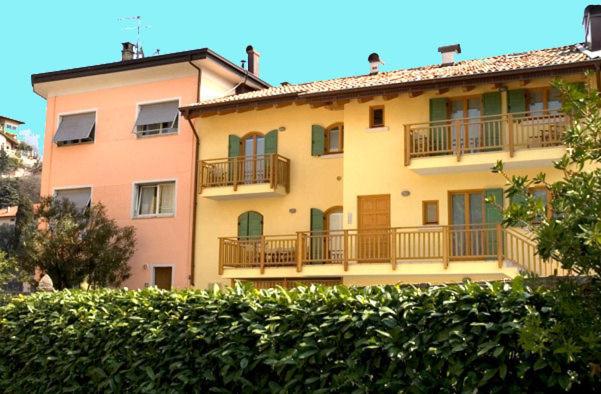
(163, 277)
(373, 228)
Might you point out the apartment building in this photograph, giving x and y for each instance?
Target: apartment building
(8, 134)
(114, 136)
(382, 178)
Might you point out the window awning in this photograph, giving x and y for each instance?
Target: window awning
(79, 197)
(75, 127)
(157, 113)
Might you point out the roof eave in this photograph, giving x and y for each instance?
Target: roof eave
(494, 77)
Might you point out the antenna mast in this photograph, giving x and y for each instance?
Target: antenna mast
(139, 51)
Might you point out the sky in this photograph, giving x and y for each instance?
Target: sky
(299, 41)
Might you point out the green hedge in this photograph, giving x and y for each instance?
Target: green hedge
(489, 338)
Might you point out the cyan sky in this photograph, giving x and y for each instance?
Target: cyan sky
(298, 41)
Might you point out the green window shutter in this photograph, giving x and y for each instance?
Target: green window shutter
(438, 135)
(491, 103)
(255, 224)
(317, 140)
(317, 224)
(233, 149)
(271, 142)
(491, 133)
(494, 214)
(438, 109)
(317, 220)
(243, 225)
(516, 100)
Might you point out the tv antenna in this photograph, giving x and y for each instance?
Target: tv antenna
(138, 27)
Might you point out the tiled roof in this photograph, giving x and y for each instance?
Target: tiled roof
(565, 55)
(8, 212)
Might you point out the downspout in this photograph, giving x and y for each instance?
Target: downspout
(194, 175)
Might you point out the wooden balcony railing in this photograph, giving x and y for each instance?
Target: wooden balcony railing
(392, 245)
(273, 169)
(484, 134)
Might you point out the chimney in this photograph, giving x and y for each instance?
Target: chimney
(127, 53)
(374, 63)
(253, 60)
(592, 27)
(448, 54)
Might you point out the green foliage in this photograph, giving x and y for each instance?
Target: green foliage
(9, 192)
(9, 270)
(572, 233)
(461, 338)
(75, 245)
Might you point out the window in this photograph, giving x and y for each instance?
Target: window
(162, 277)
(543, 195)
(376, 116)
(544, 99)
(80, 197)
(154, 199)
(75, 129)
(334, 139)
(430, 212)
(157, 119)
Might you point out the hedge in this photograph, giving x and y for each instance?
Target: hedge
(470, 337)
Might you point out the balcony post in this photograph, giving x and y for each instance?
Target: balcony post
(500, 245)
(272, 171)
(262, 254)
(345, 250)
(407, 145)
(201, 170)
(221, 255)
(299, 251)
(510, 137)
(446, 238)
(393, 248)
(235, 173)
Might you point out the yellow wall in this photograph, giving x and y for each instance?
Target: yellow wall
(373, 163)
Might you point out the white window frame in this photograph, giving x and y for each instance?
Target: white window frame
(139, 104)
(60, 115)
(61, 188)
(152, 273)
(136, 198)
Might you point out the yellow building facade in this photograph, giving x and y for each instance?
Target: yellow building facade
(375, 181)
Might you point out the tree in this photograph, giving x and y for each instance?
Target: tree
(572, 233)
(76, 245)
(5, 162)
(9, 192)
(10, 271)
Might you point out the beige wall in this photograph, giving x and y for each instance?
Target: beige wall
(373, 163)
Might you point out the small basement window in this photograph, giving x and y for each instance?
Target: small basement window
(430, 212)
(80, 197)
(376, 116)
(157, 119)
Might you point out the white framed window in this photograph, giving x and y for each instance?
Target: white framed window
(154, 199)
(81, 197)
(157, 118)
(76, 129)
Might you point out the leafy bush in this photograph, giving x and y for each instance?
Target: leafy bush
(469, 337)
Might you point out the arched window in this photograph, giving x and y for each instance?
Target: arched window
(252, 144)
(333, 218)
(334, 139)
(250, 224)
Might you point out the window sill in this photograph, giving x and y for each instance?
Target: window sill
(332, 155)
(377, 129)
(158, 216)
(141, 136)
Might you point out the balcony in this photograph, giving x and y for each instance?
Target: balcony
(245, 177)
(457, 249)
(519, 139)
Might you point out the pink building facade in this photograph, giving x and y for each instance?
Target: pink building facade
(114, 135)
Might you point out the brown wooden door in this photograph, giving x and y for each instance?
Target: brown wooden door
(373, 228)
(162, 277)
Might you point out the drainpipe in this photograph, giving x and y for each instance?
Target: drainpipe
(194, 176)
